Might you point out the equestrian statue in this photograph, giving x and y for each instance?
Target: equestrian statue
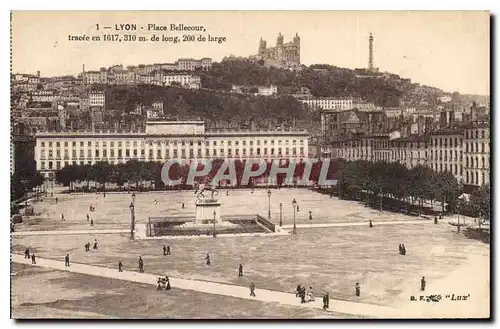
(200, 188)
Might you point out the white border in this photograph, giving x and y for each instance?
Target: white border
(492, 5)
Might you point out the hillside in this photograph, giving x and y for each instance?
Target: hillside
(322, 80)
(216, 108)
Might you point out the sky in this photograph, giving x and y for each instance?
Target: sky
(449, 50)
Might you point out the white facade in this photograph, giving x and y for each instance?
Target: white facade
(179, 140)
(338, 104)
(477, 155)
(97, 98)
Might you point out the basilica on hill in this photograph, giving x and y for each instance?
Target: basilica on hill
(283, 55)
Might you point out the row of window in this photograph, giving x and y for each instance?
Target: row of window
(175, 143)
(453, 168)
(476, 148)
(44, 165)
(475, 134)
(175, 153)
(469, 178)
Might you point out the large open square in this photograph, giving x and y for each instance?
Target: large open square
(329, 259)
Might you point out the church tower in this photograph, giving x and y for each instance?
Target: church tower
(279, 47)
(262, 47)
(296, 42)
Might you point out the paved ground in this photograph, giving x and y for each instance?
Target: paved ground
(263, 295)
(329, 259)
(112, 212)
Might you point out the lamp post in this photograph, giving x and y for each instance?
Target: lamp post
(294, 203)
(269, 204)
(132, 220)
(281, 214)
(214, 224)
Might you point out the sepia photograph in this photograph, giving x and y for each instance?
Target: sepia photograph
(250, 165)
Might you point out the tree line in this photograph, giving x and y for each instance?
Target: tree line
(395, 184)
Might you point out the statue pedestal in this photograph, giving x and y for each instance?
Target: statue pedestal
(205, 211)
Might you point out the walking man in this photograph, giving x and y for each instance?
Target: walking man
(95, 244)
(120, 266)
(27, 253)
(303, 295)
(252, 289)
(435, 220)
(422, 284)
(164, 250)
(358, 289)
(183, 205)
(33, 260)
(371, 224)
(88, 217)
(168, 250)
(62, 218)
(325, 301)
(92, 222)
(66, 260)
(207, 258)
(240, 270)
(141, 265)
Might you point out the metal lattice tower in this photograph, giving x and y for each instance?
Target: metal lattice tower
(370, 52)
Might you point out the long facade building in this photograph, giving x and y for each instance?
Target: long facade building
(163, 140)
(465, 152)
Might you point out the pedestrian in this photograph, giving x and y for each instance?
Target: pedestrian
(164, 250)
(92, 222)
(120, 266)
(141, 265)
(33, 260)
(325, 301)
(400, 249)
(252, 289)
(310, 295)
(87, 247)
(310, 215)
(403, 248)
(207, 258)
(371, 224)
(88, 217)
(168, 250)
(299, 289)
(57, 200)
(358, 289)
(27, 253)
(303, 295)
(422, 284)
(240, 270)
(183, 205)
(62, 218)
(227, 192)
(95, 244)
(168, 283)
(435, 220)
(66, 260)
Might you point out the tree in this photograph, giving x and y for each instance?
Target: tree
(447, 189)
(480, 200)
